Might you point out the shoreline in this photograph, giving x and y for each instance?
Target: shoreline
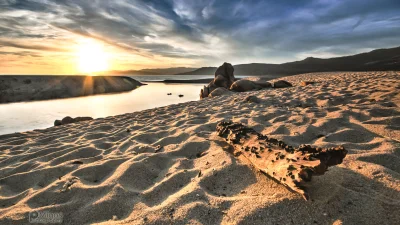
(208, 80)
(178, 81)
(21, 88)
(117, 172)
(16, 117)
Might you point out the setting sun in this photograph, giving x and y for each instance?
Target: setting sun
(91, 57)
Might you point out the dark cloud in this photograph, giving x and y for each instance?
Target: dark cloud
(212, 30)
(21, 53)
(4, 43)
(31, 5)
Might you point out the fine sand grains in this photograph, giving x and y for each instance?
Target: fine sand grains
(111, 170)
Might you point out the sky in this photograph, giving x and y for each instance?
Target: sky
(75, 36)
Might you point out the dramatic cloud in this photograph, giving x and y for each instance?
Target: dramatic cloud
(205, 32)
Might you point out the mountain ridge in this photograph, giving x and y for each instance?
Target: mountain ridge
(378, 59)
(156, 71)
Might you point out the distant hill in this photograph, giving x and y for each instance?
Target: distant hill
(166, 71)
(380, 59)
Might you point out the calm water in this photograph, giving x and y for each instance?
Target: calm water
(25, 116)
(174, 77)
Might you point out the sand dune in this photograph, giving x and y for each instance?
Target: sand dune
(100, 172)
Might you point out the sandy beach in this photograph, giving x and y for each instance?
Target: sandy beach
(113, 171)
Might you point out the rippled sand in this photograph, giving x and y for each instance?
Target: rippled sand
(118, 177)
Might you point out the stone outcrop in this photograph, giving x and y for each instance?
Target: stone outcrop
(282, 84)
(224, 82)
(221, 81)
(248, 85)
(226, 70)
(68, 120)
(219, 92)
(244, 85)
(224, 78)
(263, 84)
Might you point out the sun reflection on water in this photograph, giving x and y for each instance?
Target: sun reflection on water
(41, 114)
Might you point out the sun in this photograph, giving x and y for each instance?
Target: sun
(91, 57)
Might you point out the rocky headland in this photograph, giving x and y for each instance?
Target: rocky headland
(32, 88)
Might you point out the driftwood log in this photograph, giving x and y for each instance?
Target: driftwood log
(290, 166)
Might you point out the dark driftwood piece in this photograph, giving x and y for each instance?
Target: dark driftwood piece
(289, 166)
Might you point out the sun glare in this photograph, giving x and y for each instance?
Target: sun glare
(91, 57)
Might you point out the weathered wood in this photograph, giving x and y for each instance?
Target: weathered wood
(290, 166)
